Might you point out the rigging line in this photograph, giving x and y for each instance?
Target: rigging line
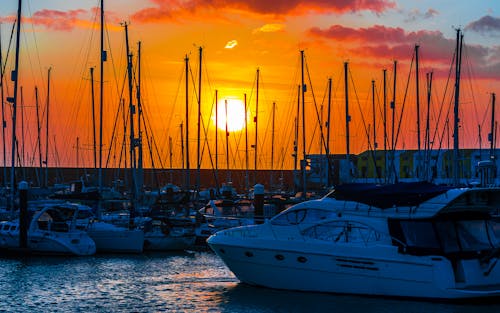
(367, 131)
(315, 107)
(443, 100)
(11, 40)
(469, 70)
(404, 102)
(115, 123)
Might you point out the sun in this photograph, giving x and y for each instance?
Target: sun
(234, 110)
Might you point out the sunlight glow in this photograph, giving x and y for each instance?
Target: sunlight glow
(235, 114)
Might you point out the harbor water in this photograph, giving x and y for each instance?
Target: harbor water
(172, 282)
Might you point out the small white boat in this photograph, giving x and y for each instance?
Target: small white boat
(50, 231)
(107, 236)
(408, 240)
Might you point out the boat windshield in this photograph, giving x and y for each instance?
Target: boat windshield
(302, 216)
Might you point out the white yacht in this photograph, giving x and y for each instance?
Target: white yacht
(50, 231)
(108, 238)
(409, 240)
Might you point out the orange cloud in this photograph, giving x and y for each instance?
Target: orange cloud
(171, 9)
(58, 20)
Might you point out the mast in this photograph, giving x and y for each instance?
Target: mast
(304, 162)
(491, 135)
(419, 160)
(47, 131)
(384, 72)
(133, 159)
(13, 100)
(138, 140)
(271, 183)
(347, 117)
(227, 144)
(188, 183)
(93, 116)
(22, 158)
(39, 135)
(456, 153)
(393, 108)
(198, 155)
(428, 126)
(217, 139)
(328, 121)
(101, 94)
(4, 123)
(374, 131)
(170, 155)
(247, 183)
(296, 137)
(256, 125)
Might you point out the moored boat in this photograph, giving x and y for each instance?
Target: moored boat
(408, 240)
(51, 231)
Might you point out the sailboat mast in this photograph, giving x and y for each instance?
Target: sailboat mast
(374, 131)
(304, 156)
(47, 131)
(188, 183)
(427, 124)
(247, 183)
(198, 155)
(227, 143)
(103, 58)
(328, 118)
(138, 140)
(458, 60)
(133, 159)
(13, 100)
(39, 135)
(347, 117)
(418, 105)
(256, 125)
(93, 116)
(217, 137)
(491, 136)
(393, 138)
(384, 74)
(2, 95)
(272, 144)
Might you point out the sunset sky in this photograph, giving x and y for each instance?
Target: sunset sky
(238, 37)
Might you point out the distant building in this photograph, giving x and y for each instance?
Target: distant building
(400, 165)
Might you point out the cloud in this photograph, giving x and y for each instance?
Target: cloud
(57, 20)
(269, 28)
(415, 15)
(162, 10)
(231, 44)
(382, 43)
(486, 24)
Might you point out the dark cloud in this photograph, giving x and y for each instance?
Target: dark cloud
(486, 24)
(170, 9)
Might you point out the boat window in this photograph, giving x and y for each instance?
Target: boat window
(420, 234)
(84, 214)
(299, 216)
(494, 230)
(448, 235)
(343, 231)
(473, 235)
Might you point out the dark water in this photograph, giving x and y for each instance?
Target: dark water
(182, 282)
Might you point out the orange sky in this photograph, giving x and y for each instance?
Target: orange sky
(237, 38)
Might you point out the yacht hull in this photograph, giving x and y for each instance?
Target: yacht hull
(409, 276)
(121, 241)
